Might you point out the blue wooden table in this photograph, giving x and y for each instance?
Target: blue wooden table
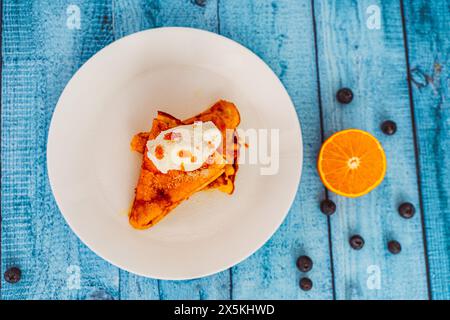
(393, 54)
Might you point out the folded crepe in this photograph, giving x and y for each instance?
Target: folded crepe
(158, 193)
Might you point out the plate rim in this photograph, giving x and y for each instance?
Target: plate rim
(297, 128)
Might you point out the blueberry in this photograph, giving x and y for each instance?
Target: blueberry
(328, 207)
(356, 242)
(12, 275)
(200, 3)
(304, 263)
(306, 284)
(344, 95)
(389, 127)
(394, 247)
(406, 210)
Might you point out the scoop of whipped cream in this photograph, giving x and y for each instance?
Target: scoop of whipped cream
(184, 148)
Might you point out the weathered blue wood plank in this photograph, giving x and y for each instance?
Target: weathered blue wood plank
(40, 54)
(281, 33)
(42, 48)
(355, 53)
(136, 15)
(428, 40)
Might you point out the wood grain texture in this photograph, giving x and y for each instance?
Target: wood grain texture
(280, 32)
(135, 15)
(40, 54)
(371, 62)
(428, 39)
(35, 236)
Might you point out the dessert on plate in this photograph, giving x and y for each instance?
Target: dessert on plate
(182, 157)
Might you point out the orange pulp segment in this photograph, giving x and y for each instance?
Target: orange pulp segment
(351, 163)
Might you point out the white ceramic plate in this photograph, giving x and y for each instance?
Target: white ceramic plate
(117, 93)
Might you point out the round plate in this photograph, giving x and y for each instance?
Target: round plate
(116, 94)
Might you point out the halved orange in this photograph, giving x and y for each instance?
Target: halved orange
(351, 163)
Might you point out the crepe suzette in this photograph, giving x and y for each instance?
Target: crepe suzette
(157, 192)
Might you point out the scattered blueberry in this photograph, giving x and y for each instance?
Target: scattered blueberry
(356, 242)
(200, 3)
(389, 127)
(344, 95)
(306, 284)
(304, 263)
(12, 275)
(407, 210)
(394, 247)
(328, 207)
